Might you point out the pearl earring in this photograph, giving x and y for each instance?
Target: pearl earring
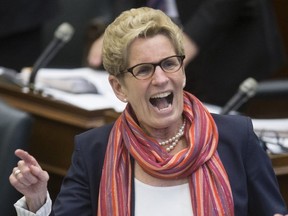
(125, 100)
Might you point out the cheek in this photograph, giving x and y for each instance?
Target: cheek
(136, 89)
(140, 107)
(181, 81)
(137, 96)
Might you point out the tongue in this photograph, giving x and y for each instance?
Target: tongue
(161, 103)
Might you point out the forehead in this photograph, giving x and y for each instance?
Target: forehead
(150, 49)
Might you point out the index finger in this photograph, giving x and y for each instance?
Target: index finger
(25, 156)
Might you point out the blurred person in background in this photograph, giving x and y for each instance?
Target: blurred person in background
(226, 41)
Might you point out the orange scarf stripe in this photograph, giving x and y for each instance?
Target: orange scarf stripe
(199, 162)
(198, 205)
(216, 198)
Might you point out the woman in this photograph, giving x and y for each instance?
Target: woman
(166, 154)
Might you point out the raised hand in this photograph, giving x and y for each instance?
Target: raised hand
(95, 53)
(30, 180)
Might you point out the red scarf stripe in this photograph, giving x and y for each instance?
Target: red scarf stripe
(198, 195)
(221, 203)
(225, 191)
(111, 203)
(215, 201)
(208, 182)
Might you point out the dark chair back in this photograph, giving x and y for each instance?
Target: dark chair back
(15, 131)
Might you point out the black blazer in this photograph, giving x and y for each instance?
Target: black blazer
(254, 186)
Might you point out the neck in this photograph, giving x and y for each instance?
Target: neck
(161, 134)
(170, 143)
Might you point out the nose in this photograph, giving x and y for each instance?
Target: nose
(159, 76)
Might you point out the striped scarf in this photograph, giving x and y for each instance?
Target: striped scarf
(209, 185)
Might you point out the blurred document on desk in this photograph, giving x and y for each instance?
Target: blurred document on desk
(278, 125)
(273, 133)
(103, 99)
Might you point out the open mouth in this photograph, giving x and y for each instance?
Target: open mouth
(162, 101)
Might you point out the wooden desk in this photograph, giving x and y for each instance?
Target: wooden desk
(57, 123)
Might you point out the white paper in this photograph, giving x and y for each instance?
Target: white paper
(106, 98)
(279, 125)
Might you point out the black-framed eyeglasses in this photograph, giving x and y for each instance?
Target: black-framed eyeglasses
(144, 71)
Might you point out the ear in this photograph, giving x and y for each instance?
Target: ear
(118, 88)
(184, 81)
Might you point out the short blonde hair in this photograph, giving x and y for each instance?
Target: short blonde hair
(136, 23)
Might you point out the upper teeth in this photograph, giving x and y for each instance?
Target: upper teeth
(162, 95)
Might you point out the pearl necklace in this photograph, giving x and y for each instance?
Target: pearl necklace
(173, 141)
